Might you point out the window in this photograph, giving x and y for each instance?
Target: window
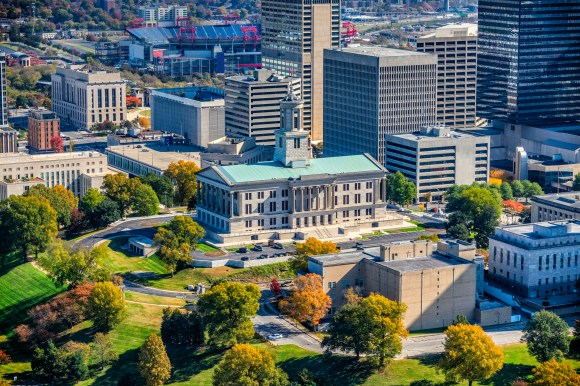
(248, 208)
(369, 185)
(248, 224)
(261, 207)
(285, 193)
(368, 211)
(273, 221)
(357, 198)
(331, 284)
(345, 200)
(540, 263)
(284, 205)
(345, 187)
(272, 194)
(369, 197)
(248, 196)
(357, 213)
(345, 214)
(280, 144)
(296, 143)
(357, 186)
(272, 206)
(261, 222)
(260, 194)
(285, 220)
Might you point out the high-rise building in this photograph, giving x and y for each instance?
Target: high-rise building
(456, 47)
(43, 125)
(162, 15)
(528, 61)
(84, 98)
(294, 35)
(253, 104)
(370, 92)
(3, 95)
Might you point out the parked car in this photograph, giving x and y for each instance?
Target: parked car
(275, 336)
(242, 250)
(257, 248)
(245, 258)
(263, 256)
(278, 246)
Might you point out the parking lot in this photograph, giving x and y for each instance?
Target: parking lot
(261, 252)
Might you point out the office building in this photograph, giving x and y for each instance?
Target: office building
(527, 61)
(294, 196)
(436, 158)
(456, 48)
(43, 125)
(3, 91)
(295, 33)
(8, 140)
(370, 92)
(553, 207)
(84, 98)
(252, 104)
(234, 151)
(436, 284)
(163, 15)
(196, 113)
(20, 171)
(536, 260)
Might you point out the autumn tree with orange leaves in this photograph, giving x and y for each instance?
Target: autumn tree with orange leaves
(552, 373)
(308, 303)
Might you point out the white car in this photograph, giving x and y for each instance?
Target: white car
(275, 336)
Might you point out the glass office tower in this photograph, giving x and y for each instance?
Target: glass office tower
(528, 61)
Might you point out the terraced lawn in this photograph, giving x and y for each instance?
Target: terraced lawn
(120, 261)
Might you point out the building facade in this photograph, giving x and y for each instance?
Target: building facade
(84, 98)
(43, 125)
(233, 151)
(252, 104)
(162, 15)
(554, 207)
(527, 61)
(3, 90)
(8, 140)
(456, 48)
(436, 158)
(197, 113)
(436, 284)
(294, 35)
(536, 260)
(370, 92)
(64, 169)
(294, 196)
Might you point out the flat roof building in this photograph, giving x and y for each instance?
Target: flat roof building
(456, 48)
(43, 126)
(553, 207)
(436, 158)
(196, 113)
(234, 151)
(84, 98)
(370, 92)
(536, 260)
(252, 104)
(436, 284)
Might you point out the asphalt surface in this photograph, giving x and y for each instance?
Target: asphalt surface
(134, 287)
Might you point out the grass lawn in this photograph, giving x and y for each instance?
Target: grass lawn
(155, 300)
(121, 261)
(206, 248)
(145, 113)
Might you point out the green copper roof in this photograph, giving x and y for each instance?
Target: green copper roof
(274, 170)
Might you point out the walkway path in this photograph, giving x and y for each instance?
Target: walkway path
(134, 287)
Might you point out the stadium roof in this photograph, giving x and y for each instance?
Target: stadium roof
(202, 32)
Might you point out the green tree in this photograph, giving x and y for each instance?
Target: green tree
(105, 213)
(517, 189)
(162, 186)
(182, 327)
(26, 223)
(182, 174)
(247, 365)
(552, 373)
(460, 319)
(106, 306)
(484, 224)
(102, 350)
(62, 200)
(469, 354)
(531, 189)
(177, 239)
(227, 310)
(90, 200)
(69, 363)
(458, 226)
(349, 331)
(154, 363)
(145, 201)
(399, 189)
(546, 335)
(506, 191)
(186, 230)
(576, 183)
(121, 189)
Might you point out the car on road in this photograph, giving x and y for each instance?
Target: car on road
(245, 258)
(257, 248)
(275, 336)
(262, 256)
(242, 250)
(278, 246)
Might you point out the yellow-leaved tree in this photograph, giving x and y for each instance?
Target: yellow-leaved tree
(182, 174)
(552, 373)
(311, 247)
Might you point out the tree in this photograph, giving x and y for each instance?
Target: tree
(469, 354)
(90, 200)
(275, 287)
(4, 358)
(78, 223)
(120, 188)
(154, 363)
(484, 224)
(105, 213)
(182, 174)
(162, 186)
(56, 144)
(458, 226)
(531, 189)
(177, 239)
(576, 183)
(308, 302)
(517, 189)
(349, 331)
(311, 247)
(26, 223)
(227, 310)
(182, 327)
(62, 200)
(247, 365)
(399, 189)
(69, 363)
(460, 319)
(145, 201)
(102, 350)
(552, 373)
(546, 335)
(73, 267)
(506, 191)
(186, 230)
(133, 101)
(106, 306)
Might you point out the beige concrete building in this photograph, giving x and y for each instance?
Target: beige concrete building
(21, 170)
(233, 151)
(536, 260)
(252, 104)
(294, 196)
(435, 284)
(436, 158)
(84, 98)
(43, 125)
(8, 140)
(294, 36)
(456, 48)
(552, 207)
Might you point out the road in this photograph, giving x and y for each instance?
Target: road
(134, 287)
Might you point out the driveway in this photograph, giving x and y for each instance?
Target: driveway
(134, 287)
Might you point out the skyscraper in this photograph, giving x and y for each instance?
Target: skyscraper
(3, 96)
(371, 91)
(294, 36)
(528, 61)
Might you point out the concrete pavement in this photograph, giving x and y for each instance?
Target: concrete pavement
(134, 287)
